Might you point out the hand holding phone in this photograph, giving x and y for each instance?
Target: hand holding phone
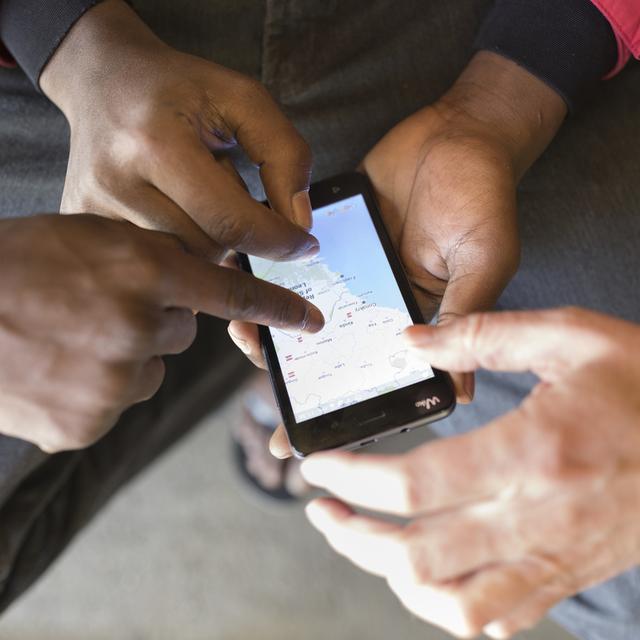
(355, 381)
(446, 180)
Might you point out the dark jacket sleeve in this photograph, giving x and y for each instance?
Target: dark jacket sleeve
(32, 29)
(568, 44)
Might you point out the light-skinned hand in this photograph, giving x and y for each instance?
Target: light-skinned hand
(508, 520)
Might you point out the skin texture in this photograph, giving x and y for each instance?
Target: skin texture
(145, 120)
(506, 521)
(503, 522)
(87, 308)
(446, 179)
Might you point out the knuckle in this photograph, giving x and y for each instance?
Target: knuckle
(447, 317)
(475, 328)
(143, 269)
(154, 374)
(290, 311)
(299, 152)
(134, 331)
(231, 231)
(113, 386)
(249, 89)
(158, 372)
(240, 299)
(187, 328)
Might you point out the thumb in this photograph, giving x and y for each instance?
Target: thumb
(464, 295)
(284, 157)
(279, 444)
(547, 343)
(471, 289)
(464, 382)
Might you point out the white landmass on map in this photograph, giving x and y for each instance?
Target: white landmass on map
(372, 360)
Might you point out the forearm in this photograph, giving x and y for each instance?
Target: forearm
(497, 99)
(107, 40)
(536, 60)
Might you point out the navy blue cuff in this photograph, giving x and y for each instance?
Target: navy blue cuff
(568, 44)
(32, 30)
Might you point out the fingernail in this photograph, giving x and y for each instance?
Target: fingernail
(310, 249)
(243, 345)
(306, 251)
(313, 321)
(302, 212)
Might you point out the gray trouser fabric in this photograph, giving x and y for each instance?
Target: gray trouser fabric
(345, 71)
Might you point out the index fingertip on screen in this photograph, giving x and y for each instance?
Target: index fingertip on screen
(313, 321)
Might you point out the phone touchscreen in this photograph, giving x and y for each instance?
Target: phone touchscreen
(359, 354)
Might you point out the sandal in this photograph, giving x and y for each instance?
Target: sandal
(278, 479)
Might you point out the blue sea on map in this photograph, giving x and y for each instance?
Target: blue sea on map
(349, 246)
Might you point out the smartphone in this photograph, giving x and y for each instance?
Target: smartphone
(355, 381)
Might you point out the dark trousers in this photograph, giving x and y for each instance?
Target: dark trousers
(345, 71)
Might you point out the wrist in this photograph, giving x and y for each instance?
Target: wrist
(503, 102)
(104, 43)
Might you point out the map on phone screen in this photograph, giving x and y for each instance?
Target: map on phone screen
(358, 355)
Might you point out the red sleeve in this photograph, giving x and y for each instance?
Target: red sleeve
(624, 18)
(5, 57)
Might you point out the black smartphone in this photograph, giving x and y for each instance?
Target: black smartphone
(355, 381)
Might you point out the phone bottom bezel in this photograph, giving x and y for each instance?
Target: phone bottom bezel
(350, 424)
(358, 444)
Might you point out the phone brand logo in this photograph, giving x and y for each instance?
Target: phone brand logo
(335, 189)
(427, 403)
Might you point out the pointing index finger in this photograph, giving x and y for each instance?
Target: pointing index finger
(236, 295)
(547, 343)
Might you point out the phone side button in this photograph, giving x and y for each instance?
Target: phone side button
(366, 442)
